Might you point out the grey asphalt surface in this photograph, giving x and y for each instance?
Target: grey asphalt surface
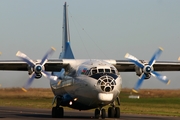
(17, 113)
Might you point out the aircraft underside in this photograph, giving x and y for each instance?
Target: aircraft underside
(84, 94)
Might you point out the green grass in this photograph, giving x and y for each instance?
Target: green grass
(155, 106)
(27, 102)
(152, 102)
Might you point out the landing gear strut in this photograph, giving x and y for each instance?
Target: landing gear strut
(57, 112)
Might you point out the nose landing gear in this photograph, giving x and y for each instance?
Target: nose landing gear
(100, 113)
(114, 112)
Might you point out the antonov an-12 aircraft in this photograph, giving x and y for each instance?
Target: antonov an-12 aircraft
(84, 84)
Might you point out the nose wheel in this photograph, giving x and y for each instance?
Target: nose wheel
(114, 112)
(100, 113)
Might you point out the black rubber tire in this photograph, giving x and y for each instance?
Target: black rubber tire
(61, 110)
(117, 112)
(97, 113)
(111, 112)
(103, 113)
(54, 112)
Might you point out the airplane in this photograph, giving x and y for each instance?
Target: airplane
(85, 84)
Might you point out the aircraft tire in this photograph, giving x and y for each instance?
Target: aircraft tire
(117, 112)
(54, 112)
(103, 113)
(111, 112)
(57, 112)
(97, 113)
(61, 112)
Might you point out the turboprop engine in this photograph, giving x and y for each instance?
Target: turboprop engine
(31, 70)
(145, 70)
(36, 69)
(139, 71)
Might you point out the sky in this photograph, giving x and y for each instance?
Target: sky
(100, 29)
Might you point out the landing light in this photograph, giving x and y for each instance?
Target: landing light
(75, 99)
(70, 103)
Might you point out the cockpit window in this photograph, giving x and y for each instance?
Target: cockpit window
(101, 70)
(94, 71)
(113, 71)
(107, 70)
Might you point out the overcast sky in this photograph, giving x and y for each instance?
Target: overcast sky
(105, 29)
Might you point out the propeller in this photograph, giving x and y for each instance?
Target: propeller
(38, 68)
(179, 59)
(147, 69)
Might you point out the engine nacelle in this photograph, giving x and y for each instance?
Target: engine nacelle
(139, 71)
(37, 69)
(147, 76)
(38, 75)
(30, 70)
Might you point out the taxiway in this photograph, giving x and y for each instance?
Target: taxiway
(18, 113)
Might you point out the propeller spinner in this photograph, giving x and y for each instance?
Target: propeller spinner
(147, 69)
(38, 68)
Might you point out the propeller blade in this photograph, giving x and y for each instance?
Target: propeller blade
(44, 59)
(160, 77)
(29, 82)
(25, 58)
(139, 83)
(48, 75)
(179, 59)
(134, 60)
(147, 68)
(155, 56)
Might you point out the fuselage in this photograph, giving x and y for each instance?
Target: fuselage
(89, 84)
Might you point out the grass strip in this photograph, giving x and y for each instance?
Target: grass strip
(151, 102)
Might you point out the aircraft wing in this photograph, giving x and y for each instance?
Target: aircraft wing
(146, 70)
(127, 66)
(56, 65)
(20, 65)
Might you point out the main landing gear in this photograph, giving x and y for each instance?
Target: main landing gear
(57, 112)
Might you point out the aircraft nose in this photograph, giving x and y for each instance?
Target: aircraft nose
(106, 83)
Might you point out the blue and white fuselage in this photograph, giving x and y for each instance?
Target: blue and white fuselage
(89, 84)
